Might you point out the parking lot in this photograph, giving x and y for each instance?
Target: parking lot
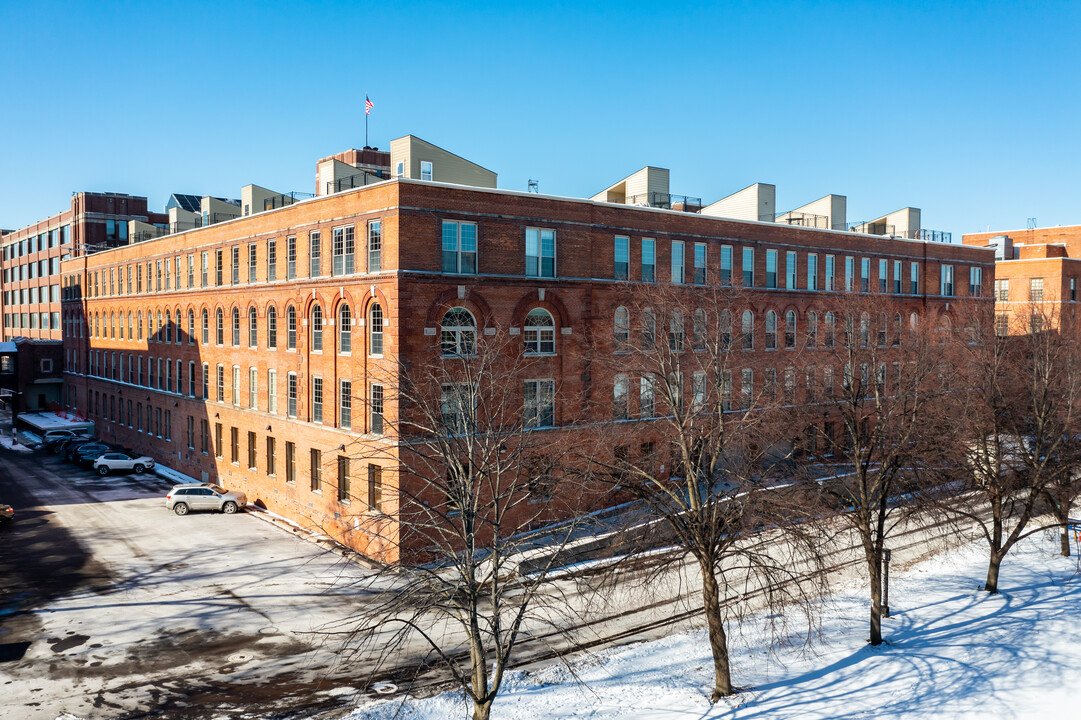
(112, 606)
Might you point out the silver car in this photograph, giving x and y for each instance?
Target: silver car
(184, 498)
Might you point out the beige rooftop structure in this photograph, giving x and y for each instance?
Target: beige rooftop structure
(648, 188)
(827, 213)
(350, 169)
(757, 202)
(411, 157)
(903, 223)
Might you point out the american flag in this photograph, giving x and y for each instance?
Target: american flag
(368, 105)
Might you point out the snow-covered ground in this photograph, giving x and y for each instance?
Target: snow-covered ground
(952, 651)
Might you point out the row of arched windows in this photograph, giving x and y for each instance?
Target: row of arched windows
(458, 332)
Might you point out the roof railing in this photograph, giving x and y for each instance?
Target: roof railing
(666, 201)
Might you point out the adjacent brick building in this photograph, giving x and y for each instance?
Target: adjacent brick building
(256, 351)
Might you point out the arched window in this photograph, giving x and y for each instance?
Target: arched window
(900, 325)
(253, 328)
(649, 329)
(158, 329)
(812, 329)
(675, 332)
(291, 328)
(178, 331)
(272, 327)
(131, 326)
(345, 329)
(883, 329)
(865, 329)
(539, 333)
(747, 330)
(112, 325)
(771, 330)
(206, 327)
(849, 329)
(236, 327)
(139, 323)
(790, 330)
(726, 330)
(168, 326)
(220, 328)
(831, 330)
(317, 328)
(191, 327)
(458, 332)
(699, 329)
(375, 329)
(622, 329)
(914, 322)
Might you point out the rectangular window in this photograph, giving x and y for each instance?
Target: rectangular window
(975, 282)
(1035, 289)
(677, 262)
(377, 410)
(219, 263)
(883, 275)
(620, 391)
(272, 391)
(699, 263)
(649, 260)
(726, 264)
(291, 257)
(271, 261)
(316, 470)
(343, 478)
(270, 457)
(236, 385)
(771, 268)
(540, 252)
(290, 462)
(865, 274)
(234, 446)
(1002, 290)
(898, 279)
(790, 269)
(831, 272)
(345, 404)
(375, 246)
(459, 247)
(426, 170)
(253, 388)
(191, 273)
(291, 391)
(914, 278)
(375, 487)
(748, 267)
(540, 403)
(622, 257)
(850, 272)
(317, 399)
(251, 262)
(315, 254)
(812, 271)
(221, 383)
(1073, 289)
(191, 377)
(342, 248)
(219, 442)
(204, 437)
(645, 396)
(1002, 324)
(251, 450)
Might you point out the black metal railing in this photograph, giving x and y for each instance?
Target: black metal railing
(666, 201)
(802, 219)
(940, 236)
(869, 227)
(354, 181)
(285, 199)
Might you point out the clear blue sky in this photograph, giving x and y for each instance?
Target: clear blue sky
(969, 111)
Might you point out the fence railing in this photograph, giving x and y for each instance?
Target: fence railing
(871, 227)
(801, 219)
(285, 199)
(354, 181)
(935, 236)
(666, 201)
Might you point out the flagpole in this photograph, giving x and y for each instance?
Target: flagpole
(365, 127)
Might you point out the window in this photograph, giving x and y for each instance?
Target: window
(251, 450)
(458, 332)
(883, 275)
(219, 442)
(946, 281)
(675, 332)
(316, 469)
(220, 327)
(897, 279)
(218, 265)
(206, 327)
(375, 246)
(290, 462)
(342, 248)
(883, 329)
(191, 327)
(771, 268)
(850, 272)
(251, 262)
(747, 330)
(291, 328)
(540, 252)
(646, 405)
(790, 330)
(191, 377)
(315, 254)
(317, 399)
(748, 267)
(726, 265)
(699, 329)
(236, 327)
(975, 282)
(317, 328)
(1036, 323)
(272, 391)
(1002, 324)
(622, 257)
(376, 407)
(345, 329)
(831, 329)
(746, 387)
(236, 384)
(375, 330)
(291, 383)
(206, 379)
(399, 169)
(540, 403)
(539, 333)
(345, 404)
(622, 328)
(459, 247)
(1002, 290)
(291, 258)
(649, 329)
(253, 328)
(253, 388)
(914, 278)
(649, 260)
(865, 274)
(812, 329)
(677, 262)
(1035, 289)
(202, 276)
(619, 397)
(699, 263)
(790, 269)
(191, 273)
(343, 479)
(812, 271)
(375, 487)
(457, 407)
(271, 328)
(1073, 289)
(270, 456)
(771, 330)
(426, 170)
(271, 261)
(831, 282)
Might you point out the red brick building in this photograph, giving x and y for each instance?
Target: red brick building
(256, 351)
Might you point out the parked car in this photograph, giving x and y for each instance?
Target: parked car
(183, 498)
(66, 446)
(7, 514)
(53, 439)
(71, 449)
(87, 454)
(128, 462)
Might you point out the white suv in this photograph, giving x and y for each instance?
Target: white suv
(122, 461)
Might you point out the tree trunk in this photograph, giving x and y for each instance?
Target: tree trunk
(991, 586)
(482, 710)
(874, 564)
(718, 641)
(1065, 540)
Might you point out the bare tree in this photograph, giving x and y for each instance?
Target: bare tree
(883, 378)
(709, 444)
(480, 467)
(1016, 427)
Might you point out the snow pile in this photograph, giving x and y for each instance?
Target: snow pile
(952, 651)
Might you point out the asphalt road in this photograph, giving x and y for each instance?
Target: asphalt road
(113, 607)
